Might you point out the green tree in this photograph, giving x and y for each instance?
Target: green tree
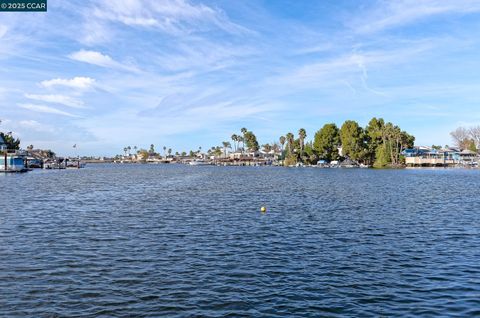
(382, 156)
(290, 160)
(302, 134)
(311, 153)
(326, 142)
(352, 139)
(374, 135)
(217, 152)
(241, 139)
(251, 141)
(290, 138)
(393, 142)
(143, 154)
(226, 145)
(11, 142)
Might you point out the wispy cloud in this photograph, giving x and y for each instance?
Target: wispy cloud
(351, 68)
(203, 55)
(57, 99)
(99, 59)
(76, 82)
(392, 14)
(173, 17)
(36, 126)
(45, 109)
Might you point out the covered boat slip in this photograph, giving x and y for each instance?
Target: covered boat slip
(12, 163)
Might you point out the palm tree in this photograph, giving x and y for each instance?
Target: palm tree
(267, 148)
(290, 140)
(282, 141)
(226, 145)
(165, 151)
(169, 151)
(125, 151)
(302, 134)
(217, 152)
(128, 149)
(235, 139)
(135, 148)
(241, 140)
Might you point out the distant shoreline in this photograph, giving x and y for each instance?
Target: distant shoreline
(306, 166)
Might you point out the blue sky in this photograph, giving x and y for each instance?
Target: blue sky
(107, 74)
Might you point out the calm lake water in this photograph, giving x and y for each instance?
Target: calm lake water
(180, 241)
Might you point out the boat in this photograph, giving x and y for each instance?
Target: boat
(34, 163)
(74, 164)
(199, 162)
(55, 164)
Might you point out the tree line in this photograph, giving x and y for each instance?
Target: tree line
(379, 144)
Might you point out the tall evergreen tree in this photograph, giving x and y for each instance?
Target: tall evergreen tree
(326, 142)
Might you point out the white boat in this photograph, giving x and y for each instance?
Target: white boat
(75, 164)
(199, 162)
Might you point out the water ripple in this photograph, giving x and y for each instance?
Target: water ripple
(180, 241)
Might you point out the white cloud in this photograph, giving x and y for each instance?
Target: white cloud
(203, 55)
(45, 109)
(351, 68)
(36, 126)
(76, 82)
(99, 59)
(402, 12)
(178, 16)
(95, 31)
(57, 99)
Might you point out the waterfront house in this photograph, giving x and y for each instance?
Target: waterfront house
(3, 145)
(429, 157)
(12, 162)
